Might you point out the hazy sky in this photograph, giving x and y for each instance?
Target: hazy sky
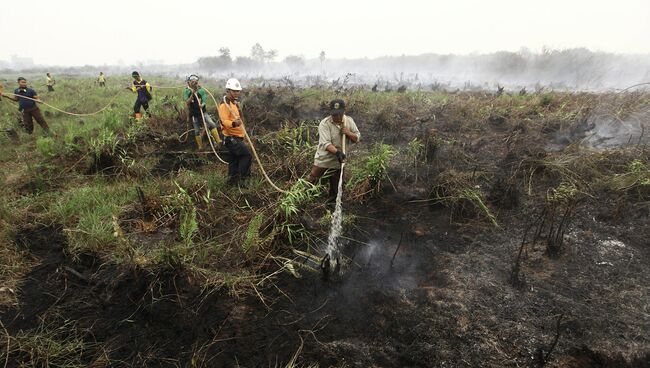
(83, 32)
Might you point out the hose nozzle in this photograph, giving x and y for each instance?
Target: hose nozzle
(326, 267)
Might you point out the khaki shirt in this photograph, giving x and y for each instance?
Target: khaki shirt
(330, 133)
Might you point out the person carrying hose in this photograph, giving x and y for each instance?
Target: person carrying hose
(329, 155)
(239, 162)
(101, 79)
(196, 110)
(50, 82)
(143, 89)
(28, 108)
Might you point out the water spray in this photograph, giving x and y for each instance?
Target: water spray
(333, 253)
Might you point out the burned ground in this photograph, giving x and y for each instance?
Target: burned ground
(430, 258)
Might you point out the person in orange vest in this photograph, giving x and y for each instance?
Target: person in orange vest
(239, 162)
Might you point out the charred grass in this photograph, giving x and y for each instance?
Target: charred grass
(121, 246)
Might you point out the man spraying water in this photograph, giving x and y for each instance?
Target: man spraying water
(333, 133)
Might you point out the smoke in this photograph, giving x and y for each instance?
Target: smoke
(372, 268)
(569, 70)
(606, 131)
(572, 69)
(615, 134)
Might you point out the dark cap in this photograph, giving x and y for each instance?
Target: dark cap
(135, 74)
(337, 106)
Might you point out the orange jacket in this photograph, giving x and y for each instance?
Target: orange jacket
(228, 114)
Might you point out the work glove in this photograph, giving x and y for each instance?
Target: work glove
(340, 156)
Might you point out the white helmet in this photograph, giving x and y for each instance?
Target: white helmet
(233, 84)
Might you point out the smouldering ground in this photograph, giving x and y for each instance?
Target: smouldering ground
(121, 246)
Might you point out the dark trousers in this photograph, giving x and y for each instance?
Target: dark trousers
(50, 88)
(102, 84)
(139, 104)
(333, 175)
(239, 163)
(34, 114)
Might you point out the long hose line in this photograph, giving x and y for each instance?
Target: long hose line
(205, 126)
(185, 134)
(248, 139)
(343, 139)
(633, 86)
(181, 139)
(63, 111)
(169, 87)
(79, 114)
